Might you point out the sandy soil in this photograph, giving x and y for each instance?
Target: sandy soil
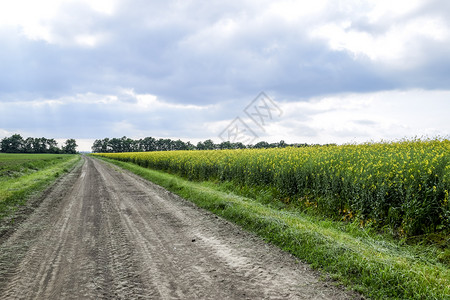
(104, 233)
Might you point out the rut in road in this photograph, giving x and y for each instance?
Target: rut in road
(104, 233)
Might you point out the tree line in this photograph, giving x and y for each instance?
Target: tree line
(125, 144)
(17, 144)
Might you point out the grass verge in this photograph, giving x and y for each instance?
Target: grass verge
(30, 178)
(377, 267)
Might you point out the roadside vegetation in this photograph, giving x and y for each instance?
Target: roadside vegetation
(23, 175)
(375, 216)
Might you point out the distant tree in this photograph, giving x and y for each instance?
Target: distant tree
(42, 145)
(190, 146)
(261, 144)
(282, 144)
(13, 144)
(209, 145)
(105, 145)
(116, 145)
(70, 146)
(137, 146)
(28, 145)
(300, 145)
(225, 145)
(148, 144)
(164, 145)
(52, 146)
(127, 144)
(37, 145)
(239, 145)
(179, 145)
(200, 146)
(16, 144)
(97, 146)
(5, 145)
(151, 144)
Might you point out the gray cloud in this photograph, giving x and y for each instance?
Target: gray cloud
(213, 54)
(365, 122)
(182, 53)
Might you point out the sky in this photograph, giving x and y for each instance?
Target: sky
(249, 70)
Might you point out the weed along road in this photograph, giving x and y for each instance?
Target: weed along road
(103, 233)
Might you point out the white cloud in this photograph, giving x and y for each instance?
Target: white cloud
(388, 9)
(4, 133)
(95, 115)
(368, 116)
(391, 36)
(88, 40)
(295, 10)
(355, 117)
(43, 20)
(398, 45)
(107, 7)
(30, 16)
(340, 118)
(118, 127)
(128, 99)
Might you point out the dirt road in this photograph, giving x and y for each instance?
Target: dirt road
(104, 233)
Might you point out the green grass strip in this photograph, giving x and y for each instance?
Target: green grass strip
(378, 268)
(15, 191)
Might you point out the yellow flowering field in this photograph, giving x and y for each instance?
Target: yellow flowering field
(403, 185)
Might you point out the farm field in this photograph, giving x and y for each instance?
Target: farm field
(22, 163)
(24, 174)
(386, 206)
(403, 186)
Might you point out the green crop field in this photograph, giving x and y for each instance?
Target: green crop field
(24, 174)
(14, 165)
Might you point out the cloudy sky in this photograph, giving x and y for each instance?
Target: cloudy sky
(337, 71)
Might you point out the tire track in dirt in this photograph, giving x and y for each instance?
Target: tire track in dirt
(113, 235)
